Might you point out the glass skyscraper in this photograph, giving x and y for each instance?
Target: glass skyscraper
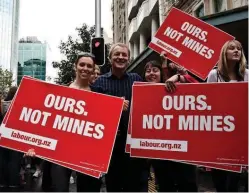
(9, 24)
(32, 59)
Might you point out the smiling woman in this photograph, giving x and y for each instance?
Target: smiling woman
(153, 72)
(84, 67)
(171, 176)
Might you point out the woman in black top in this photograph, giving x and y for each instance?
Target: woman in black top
(57, 176)
(170, 176)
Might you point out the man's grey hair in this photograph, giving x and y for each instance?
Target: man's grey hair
(118, 44)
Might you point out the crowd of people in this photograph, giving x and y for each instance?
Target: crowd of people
(127, 173)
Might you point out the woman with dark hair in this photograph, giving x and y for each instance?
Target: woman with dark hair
(170, 176)
(10, 161)
(153, 72)
(231, 68)
(58, 176)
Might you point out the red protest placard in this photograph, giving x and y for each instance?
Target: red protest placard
(197, 123)
(63, 124)
(92, 173)
(86, 171)
(128, 138)
(190, 42)
(231, 168)
(83, 170)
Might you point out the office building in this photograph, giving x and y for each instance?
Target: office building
(9, 25)
(32, 58)
(145, 17)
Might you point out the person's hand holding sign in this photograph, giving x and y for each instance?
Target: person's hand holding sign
(170, 86)
(30, 153)
(126, 104)
(164, 59)
(173, 73)
(170, 65)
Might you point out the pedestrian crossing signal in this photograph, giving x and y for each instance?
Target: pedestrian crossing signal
(98, 49)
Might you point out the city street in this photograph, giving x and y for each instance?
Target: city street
(129, 90)
(204, 183)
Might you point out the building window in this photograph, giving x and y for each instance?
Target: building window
(219, 5)
(199, 10)
(124, 35)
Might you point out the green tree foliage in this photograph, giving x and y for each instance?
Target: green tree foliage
(5, 81)
(69, 49)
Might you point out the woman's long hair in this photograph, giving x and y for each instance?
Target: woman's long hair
(156, 64)
(223, 66)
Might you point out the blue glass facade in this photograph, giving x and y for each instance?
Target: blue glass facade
(32, 60)
(9, 24)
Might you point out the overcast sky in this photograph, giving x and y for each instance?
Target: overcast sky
(54, 20)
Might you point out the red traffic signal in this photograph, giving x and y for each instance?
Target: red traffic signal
(98, 49)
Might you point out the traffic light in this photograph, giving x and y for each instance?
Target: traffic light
(98, 49)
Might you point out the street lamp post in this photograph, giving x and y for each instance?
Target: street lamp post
(97, 18)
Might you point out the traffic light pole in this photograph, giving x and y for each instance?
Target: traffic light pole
(98, 42)
(97, 18)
